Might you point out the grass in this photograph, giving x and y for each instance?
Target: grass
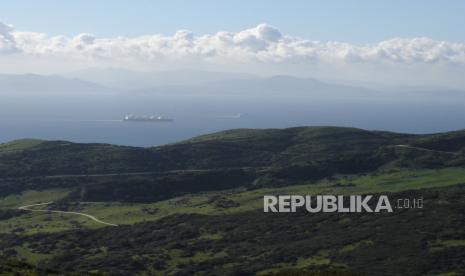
(130, 213)
(354, 246)
(32, 197)
(32, 257)
(21, 144)
(213, 237)
(234, 134)
(177, 257)
(438, 245)
(34, 223)
(40, 222)
(372, 183)
(319, 259)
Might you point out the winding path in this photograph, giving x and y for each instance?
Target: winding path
(28, 208)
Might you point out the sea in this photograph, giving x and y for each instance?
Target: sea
(101, 121)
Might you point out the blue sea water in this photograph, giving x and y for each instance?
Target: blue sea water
(101, 123)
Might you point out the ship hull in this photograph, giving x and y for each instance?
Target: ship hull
(148, 120)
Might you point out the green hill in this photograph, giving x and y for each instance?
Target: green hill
(19, 145)
(246, 158)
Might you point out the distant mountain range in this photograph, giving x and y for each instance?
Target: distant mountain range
(40, 84)
(192, 82)
(132, 80)
(173, 83)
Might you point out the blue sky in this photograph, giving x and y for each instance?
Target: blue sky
(359, 22)
(405, 42)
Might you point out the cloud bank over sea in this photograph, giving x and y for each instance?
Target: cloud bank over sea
(261, 49)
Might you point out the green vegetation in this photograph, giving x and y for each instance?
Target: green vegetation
(356, 245)
(15, 267)
(19, 145)
(235, 134)
(31, 197)
(436, 245)
(252, 242)
(127, 213)
(195, 206)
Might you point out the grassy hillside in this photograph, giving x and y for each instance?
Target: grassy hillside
(244, 158)
(236, 148)
(196, 206)
(19, 145)
(451, 141)
(428, 241)
(223, 202)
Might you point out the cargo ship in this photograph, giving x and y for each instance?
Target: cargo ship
(155, 119)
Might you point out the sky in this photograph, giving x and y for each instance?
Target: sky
(355, 21)
(406, 42)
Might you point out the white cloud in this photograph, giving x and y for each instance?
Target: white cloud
(7, 40)
(262, 46)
